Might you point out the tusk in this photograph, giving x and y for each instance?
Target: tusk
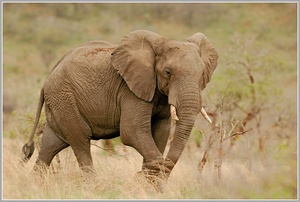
(173, 113)
(204, 114)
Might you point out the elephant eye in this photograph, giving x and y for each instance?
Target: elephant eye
(168, 72)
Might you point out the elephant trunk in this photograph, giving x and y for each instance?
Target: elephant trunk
(187, 104)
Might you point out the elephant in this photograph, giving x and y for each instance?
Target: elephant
(134, 90)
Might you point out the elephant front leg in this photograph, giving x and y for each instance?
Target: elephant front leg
(135, 131)
(160, 131)
(157, 172)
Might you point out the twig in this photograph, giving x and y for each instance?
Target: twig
(203, 161)
(237, 133)
(232, 128)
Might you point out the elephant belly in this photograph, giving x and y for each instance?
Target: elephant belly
(101, 133)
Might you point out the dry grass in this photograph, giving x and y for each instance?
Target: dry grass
(245, 174)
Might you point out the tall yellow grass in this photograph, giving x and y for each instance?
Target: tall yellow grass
(244, 175)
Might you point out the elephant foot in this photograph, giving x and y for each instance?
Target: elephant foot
(39, 169)
(148, 181)
(89, 175)
(156, 173)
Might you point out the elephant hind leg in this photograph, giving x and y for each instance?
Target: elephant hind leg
(50, 146)
(84, 157)
(78, 135)
(63, 113)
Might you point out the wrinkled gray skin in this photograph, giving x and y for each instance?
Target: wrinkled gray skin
(101, 90)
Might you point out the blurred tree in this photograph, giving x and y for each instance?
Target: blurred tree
(50, 35)
(251, 88)
(247, 94)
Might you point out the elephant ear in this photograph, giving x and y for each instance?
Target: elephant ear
(134, 59)
(208, 55)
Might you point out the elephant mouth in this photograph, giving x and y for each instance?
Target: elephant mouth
(165, 89)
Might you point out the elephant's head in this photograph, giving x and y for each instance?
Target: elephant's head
(180, 70)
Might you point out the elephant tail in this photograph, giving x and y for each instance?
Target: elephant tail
(28, 148)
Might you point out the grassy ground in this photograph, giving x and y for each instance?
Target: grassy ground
(245, 175)
(261, 38)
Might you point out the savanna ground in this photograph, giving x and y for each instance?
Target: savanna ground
(251, 153)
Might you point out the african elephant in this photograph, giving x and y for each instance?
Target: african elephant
(101, 90)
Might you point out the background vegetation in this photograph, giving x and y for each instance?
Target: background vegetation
(251, 153)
